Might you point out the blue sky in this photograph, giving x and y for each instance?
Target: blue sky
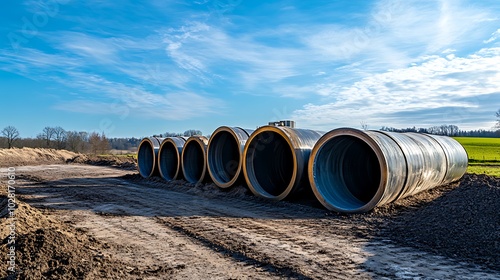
(136, 68)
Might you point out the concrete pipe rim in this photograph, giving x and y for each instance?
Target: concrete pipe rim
(340, 198)
(166, 174)
(220, 176)
(200, 142)
(248, 166)
(146, 169)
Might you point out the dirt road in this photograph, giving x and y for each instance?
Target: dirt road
(179, 231)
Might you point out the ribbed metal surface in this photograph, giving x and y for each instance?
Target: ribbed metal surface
(354, 171)
(147, 156)
(169, 158)
(225, 154)
(275, 160)
(194, 159)
(456, 158)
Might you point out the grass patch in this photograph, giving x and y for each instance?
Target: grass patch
(491, 170)
(481, 149)
(484, 155)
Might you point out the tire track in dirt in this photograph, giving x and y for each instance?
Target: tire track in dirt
(321, 255)
(142, 243)
(243, 233)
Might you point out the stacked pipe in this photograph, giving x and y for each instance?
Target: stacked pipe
(225, 155)
(194, 159)
(354, 171)
(147, 155)
(275, 160)
(348, 170)
(169, 158)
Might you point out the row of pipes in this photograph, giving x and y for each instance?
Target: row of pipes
(348, 170)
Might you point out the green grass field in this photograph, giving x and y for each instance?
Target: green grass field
(484, 154)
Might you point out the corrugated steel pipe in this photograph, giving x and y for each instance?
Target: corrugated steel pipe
(354, 171)
(147, 156)
(169, 158)
(225, 154)
(194, 159)
(275, 160)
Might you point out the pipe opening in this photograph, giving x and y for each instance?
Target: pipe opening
(169, 161)
(271, 163)
(224, 157)
(193, 162)
(145, 159)
(347, 172)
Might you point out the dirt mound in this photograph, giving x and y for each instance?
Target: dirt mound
(37, 156)
(123, 162)
(48, 249)
(462, 221)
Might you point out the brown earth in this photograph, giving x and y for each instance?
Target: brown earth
(38, 156)
(95, 222)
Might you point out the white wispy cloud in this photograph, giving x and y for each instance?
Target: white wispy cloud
(494, 36)
(202, 50)
(436, 83)
(402, 57)
(139, 102)
(31, 62)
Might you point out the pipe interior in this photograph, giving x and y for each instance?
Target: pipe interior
(272, 162)
(193, 162)
(224, 157)
(145, 159)
(347, 172)
(169, 163)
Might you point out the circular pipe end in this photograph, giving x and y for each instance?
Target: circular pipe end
(169, 158)
(146, 158)
(193, 159)
(224, 155)
(270, 163)
(347, 171)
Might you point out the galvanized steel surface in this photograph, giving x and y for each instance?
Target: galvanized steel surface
(456, 158)
(225, 154)
(169, 158)
(354, 171)
(275, 160)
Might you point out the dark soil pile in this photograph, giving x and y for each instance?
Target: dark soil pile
(48, 249)
(122, 162)
(462, 222)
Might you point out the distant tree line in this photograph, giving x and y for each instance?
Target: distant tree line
(76, 141)
(187, 133)
(57, 138)
(446, 130)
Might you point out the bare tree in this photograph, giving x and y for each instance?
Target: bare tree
(75, 141)
(364, 126)
(11, 133)
(498, 118)
(47, 135)
(192, 132)
(59, 136)
(171, 134)
(99, 144)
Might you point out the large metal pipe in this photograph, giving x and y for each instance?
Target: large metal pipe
(275, 160)
(147, 154)
(169, 158)
(225, 153)
(194, 159)
(354, 171)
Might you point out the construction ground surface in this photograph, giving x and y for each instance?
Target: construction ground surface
(77, 220)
